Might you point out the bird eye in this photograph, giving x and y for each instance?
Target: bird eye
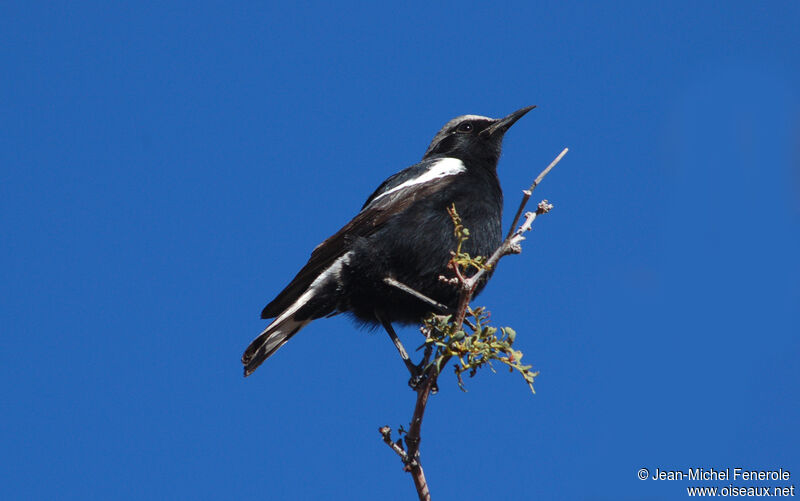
(465, 127)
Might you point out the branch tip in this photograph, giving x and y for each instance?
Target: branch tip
(386, 434)
(544, 207)
(548, 168)
(527, 193)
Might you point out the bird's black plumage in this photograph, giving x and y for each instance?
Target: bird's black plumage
(404, 232)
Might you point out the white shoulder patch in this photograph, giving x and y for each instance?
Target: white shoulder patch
(447, 166)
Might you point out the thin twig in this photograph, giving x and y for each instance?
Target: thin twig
(386, 433)
(518, 236)
(505, 247)
(526, 194)
(422, 297)
(547, 169)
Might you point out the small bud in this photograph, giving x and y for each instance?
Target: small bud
(545, 207)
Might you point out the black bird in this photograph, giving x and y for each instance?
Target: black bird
(403, 232)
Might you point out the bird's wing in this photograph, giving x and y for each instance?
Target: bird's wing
(396, 179)
(394, 196)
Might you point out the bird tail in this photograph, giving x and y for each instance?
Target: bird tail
(273, 337)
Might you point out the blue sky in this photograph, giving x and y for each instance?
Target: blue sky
(166, 168)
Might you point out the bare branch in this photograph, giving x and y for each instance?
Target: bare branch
(526, 194)
(413, 436)
(422, 297)
(506, 247)
(548, 169)
(526, 226)
(386, 433)
(467, 285)
(543, 208)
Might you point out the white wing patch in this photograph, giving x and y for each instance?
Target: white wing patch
(334, 270)
(443, 167)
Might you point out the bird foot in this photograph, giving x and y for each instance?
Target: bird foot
(418, 377)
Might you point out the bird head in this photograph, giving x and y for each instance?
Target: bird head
(473, 137)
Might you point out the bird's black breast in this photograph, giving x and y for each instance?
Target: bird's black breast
(415, 244)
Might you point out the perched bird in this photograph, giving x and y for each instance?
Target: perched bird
(403, 232)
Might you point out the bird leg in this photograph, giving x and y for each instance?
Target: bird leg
(417, 373)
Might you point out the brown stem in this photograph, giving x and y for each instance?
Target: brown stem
(468, 287)
(413, 437)
(386, 433)
(526, 194)
(411, 454)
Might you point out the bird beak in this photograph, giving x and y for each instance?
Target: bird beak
(503, 124)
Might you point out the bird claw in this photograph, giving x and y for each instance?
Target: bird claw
(418, 378)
